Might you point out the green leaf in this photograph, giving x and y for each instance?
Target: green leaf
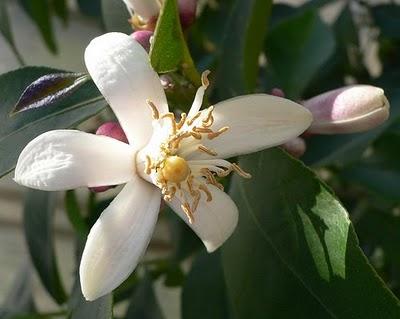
(115, 16)
(387, 17)
(49, 89)
(288, 215)
(347, 148)
(39, 12)
(100, 308)
(91, 8)
(295, 57)
(61, 10)
(239, 57)
(17, 131)
(144, 304)
(5, 30)
(20, 297)
(39, 209)
(167, 49)
(204, 292)
(74, 214)
(380, 171)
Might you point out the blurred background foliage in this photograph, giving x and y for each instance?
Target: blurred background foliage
(283, 261)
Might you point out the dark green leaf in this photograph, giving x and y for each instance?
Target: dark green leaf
(167, 49)
(17, 131)
(380, 171)
(90, 8)
(295, 57)
(387, 17)
(39, 12)
(287, 214)
(204, 292)
(20, 297)
(144, 304)
(39, 209)
(101, 308)
(245, 33)
(49, 89)
(5, 30)
(74, 214)
(115, 16)
(61, 10)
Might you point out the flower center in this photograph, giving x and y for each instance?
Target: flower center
(168, 159)
(175, 169)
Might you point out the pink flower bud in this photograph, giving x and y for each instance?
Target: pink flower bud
(349, 109)
(277, 92)
(143, 38)
(113, 130)
(295, 147)
(187, 12)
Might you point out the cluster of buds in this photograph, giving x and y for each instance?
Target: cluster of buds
(144, 15)
(350, 109)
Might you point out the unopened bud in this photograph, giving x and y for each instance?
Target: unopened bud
(113, 130)
(295, 147)
(144, 9)
(187, 12)
(349, 109)
(143, 38)
(277, 92)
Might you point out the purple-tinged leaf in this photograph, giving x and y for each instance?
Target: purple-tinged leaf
(48, 89)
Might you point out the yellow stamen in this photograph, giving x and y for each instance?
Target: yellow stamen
(148, 165)
(213, 135)
(240, 171)
(182, 121)
(206, 191)
(154, 111)
(194, 118)
(207, 150)
(204, 78)
(186, 209)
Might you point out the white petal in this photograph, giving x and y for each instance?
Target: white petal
(68, 159)
(119, 238)
(121, 69)
(214, 221)
(146, 9)
(255, 122)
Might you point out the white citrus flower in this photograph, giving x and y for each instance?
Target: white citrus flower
(175, 160)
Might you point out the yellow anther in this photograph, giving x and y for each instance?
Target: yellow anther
(204, 78)
(194, 118)
(175, 169)
(196, 135)
(154, 111)
(188, 212)
(148, 165)
(207, 150)
(240, 171)
(202, 130)
(217, 133)
(182, 121)
(206, 191)
(209, 119)
(196, 200)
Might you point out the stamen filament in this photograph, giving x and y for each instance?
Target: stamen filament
(207, 150)
(155, 114)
